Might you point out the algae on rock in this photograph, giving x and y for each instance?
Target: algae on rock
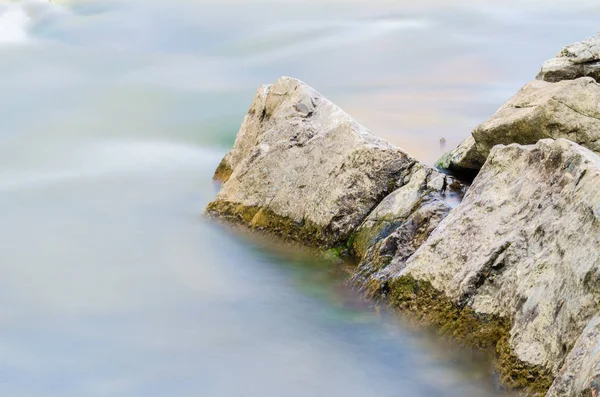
(524, 245)
(432, 308)
(400, 224)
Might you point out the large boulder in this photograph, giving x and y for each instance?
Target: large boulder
(568, 109)
(304, 169)
(523, 249)
(576, 60)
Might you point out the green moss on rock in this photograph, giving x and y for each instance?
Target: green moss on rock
(257, 218)
(444, 162)
(431, 308)
(367, 236)
(223, 171)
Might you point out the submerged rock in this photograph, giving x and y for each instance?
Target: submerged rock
(524, 246)
(304, 169)
(576, 60)
(400, 224)
(567, 109)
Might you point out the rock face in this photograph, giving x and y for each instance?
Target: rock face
(580, 375)
(304, 169)
(568, 109)
(524, 245)
(576, 60)
(400, 224)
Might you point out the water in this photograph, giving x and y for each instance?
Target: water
(113, 116)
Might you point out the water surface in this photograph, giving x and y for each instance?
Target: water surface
(113, 116)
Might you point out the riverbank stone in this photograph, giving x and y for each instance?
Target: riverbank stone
(523, 246)
(303, 169)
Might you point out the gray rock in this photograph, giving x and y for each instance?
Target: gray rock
(398, 206)
(567, 109)
(580, 375)
(465, 158)
(302, 168)
(524, 245)
(576, 60)
(400, 224)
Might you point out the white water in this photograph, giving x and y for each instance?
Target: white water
(18, 17)
(113, 116)
(14, 22)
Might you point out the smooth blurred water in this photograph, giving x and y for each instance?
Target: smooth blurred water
(113, 116)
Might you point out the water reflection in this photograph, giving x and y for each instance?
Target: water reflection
(114, 115)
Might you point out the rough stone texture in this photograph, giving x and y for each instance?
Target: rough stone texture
(431, 308)
(524, 245)
(580, 375)
(401, 223)
(304, 169)
(567, 109)
(576, 60)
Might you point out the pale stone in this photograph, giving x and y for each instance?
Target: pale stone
(303, 168)
(576, 60)
(401, 223)
(524, 244)
(580, 375)
(568, 109)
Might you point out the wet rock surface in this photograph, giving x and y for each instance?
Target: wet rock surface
(400, 224)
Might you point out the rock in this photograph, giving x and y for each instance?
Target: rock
(466, 158)
(576, 60)
(524, 246)
(580, 375)
(400, 224)
(398, 206)
(567, 109)
(302, 168)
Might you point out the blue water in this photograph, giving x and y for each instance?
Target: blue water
(113, 116)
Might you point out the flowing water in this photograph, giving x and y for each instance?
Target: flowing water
(113, 116)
